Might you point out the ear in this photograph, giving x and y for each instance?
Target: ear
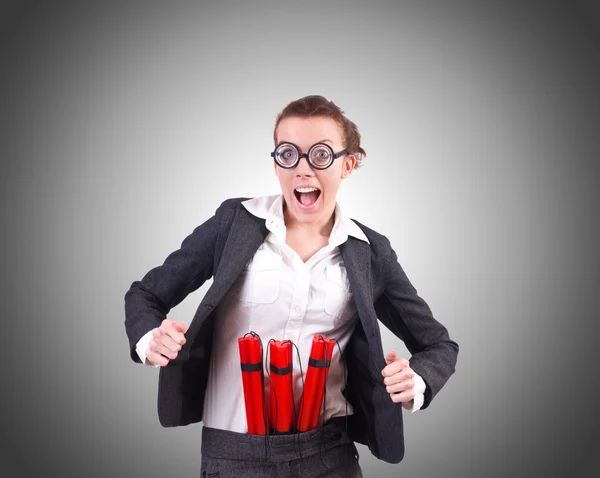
(348, 166)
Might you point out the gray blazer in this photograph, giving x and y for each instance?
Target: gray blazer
(220, 248)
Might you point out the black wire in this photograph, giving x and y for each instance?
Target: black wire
(343, 360)
(264, 405)
(322, 418)
(272, 387)
(262, 381)
(296, 418)
(325, 396)
(291, 372)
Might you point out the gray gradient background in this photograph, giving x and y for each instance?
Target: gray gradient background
(124, 125)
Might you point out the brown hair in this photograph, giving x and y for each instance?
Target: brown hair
(315, 106)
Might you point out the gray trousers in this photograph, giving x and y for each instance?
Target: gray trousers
(326, 452)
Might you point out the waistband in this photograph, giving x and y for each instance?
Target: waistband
(225, 444)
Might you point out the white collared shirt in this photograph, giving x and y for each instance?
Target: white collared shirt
(279, 296)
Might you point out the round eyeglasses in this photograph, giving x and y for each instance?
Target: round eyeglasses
(319, 156)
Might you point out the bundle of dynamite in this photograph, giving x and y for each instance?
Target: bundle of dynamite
(281, 417)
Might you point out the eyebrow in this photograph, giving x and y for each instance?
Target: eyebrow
(320, 141)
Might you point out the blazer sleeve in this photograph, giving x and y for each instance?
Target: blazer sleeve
(149, 300)
(409, 317)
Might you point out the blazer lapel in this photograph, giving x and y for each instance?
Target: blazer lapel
(357, 259)
(247, 233)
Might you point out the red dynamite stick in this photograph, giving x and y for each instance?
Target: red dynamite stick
(310, 394)
(328, 352)
(318, 368)
(247, 384)
(251, 364)
(281, 388)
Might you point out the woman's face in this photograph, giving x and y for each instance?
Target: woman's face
(310, 194)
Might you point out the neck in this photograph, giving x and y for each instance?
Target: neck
(320, 227)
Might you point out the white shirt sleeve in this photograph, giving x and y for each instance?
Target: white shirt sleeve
(417, 402)
(142, 346)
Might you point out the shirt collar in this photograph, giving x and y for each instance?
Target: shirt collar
(270, 208)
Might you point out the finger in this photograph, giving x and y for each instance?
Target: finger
(408, 384)
(400, 376)
(170, 329)
(161, 349)
(181, 326)
(403, 397)
(390, 357)
(395, 367)
(156, 359)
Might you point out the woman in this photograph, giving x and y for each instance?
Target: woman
(289, 267)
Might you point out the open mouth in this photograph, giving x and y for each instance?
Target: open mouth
(307, 197)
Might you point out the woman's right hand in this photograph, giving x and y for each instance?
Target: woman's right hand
(166, 342)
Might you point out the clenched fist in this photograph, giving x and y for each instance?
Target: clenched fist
(166, 342)
(398, 378)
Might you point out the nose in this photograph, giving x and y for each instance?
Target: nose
(303, 167)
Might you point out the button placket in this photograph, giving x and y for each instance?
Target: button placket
(298, 304)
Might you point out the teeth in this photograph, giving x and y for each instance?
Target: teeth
(306, 190)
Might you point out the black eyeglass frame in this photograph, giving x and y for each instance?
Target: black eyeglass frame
(300, 155)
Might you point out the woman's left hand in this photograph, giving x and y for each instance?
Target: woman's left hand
(398, 378)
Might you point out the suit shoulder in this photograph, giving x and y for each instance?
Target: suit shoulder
(231, 204)
(377, 240)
